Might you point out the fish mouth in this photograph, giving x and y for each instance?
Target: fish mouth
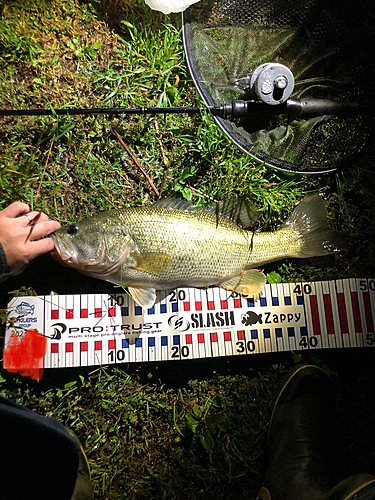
(98, 266)
(66, 254)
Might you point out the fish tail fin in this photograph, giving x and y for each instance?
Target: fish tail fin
(313, 236)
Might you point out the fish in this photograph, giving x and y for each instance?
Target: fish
(251, 318)
(174, 244)
(25, 308)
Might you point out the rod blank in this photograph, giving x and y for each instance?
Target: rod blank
(306, 108)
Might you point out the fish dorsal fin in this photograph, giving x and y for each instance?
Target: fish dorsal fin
(152, 262)
(145, 297)
(238, 210)
(175, 204)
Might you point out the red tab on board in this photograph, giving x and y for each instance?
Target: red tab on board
(241, 334)
(26, 354)
(343, 315)
(315, 315)
(69, 314)
(214, 337)
(328, 314)
(356, 313)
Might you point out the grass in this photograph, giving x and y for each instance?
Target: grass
(195, 429)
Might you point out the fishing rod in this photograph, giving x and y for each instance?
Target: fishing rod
(294, 108)
(270, 86)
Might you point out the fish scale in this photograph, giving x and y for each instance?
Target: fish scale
(176, 231)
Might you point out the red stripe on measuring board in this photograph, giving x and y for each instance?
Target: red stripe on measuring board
(342, 311)
(356, 312)
(315, 314)
(328, 314)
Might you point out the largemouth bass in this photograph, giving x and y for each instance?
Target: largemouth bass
(173, 244)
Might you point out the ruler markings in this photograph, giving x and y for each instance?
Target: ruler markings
(322, 310)
(370, 289)
(188, 323)
(289, 332)
(344, 322)
(357, 309)
(268, 330)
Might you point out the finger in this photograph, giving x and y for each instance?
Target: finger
(42, 229)
(42, 246)
(16, 208)
(35, 217)
(38, 216)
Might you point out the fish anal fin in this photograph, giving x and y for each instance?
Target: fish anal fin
(145, 297)
(152, 262)
(251, 283)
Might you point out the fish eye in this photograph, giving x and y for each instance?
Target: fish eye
(73, 229)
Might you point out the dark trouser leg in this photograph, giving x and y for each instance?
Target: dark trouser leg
(39, 459)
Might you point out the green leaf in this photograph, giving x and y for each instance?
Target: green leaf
(274, 278)
(129, 25)
(207, 441)
(187, 194)
(197, 411)
(97, 45)
(217, 420)
(297, 358)
(191, 423)
(70, 384)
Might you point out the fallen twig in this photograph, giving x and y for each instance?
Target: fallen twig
(44, 171)
(132, 156)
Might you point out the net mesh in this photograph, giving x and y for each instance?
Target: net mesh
(327, 44)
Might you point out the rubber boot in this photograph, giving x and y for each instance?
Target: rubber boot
(83, 489)
(302, 451)
(357, 487)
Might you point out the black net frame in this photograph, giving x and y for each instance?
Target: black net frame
(329, 46)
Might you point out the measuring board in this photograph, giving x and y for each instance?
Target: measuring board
(190, 323)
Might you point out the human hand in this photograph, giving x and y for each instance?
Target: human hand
(20, 231)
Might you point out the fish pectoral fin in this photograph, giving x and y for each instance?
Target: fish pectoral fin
(152, 262)
(145, 297)
(250, 283)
